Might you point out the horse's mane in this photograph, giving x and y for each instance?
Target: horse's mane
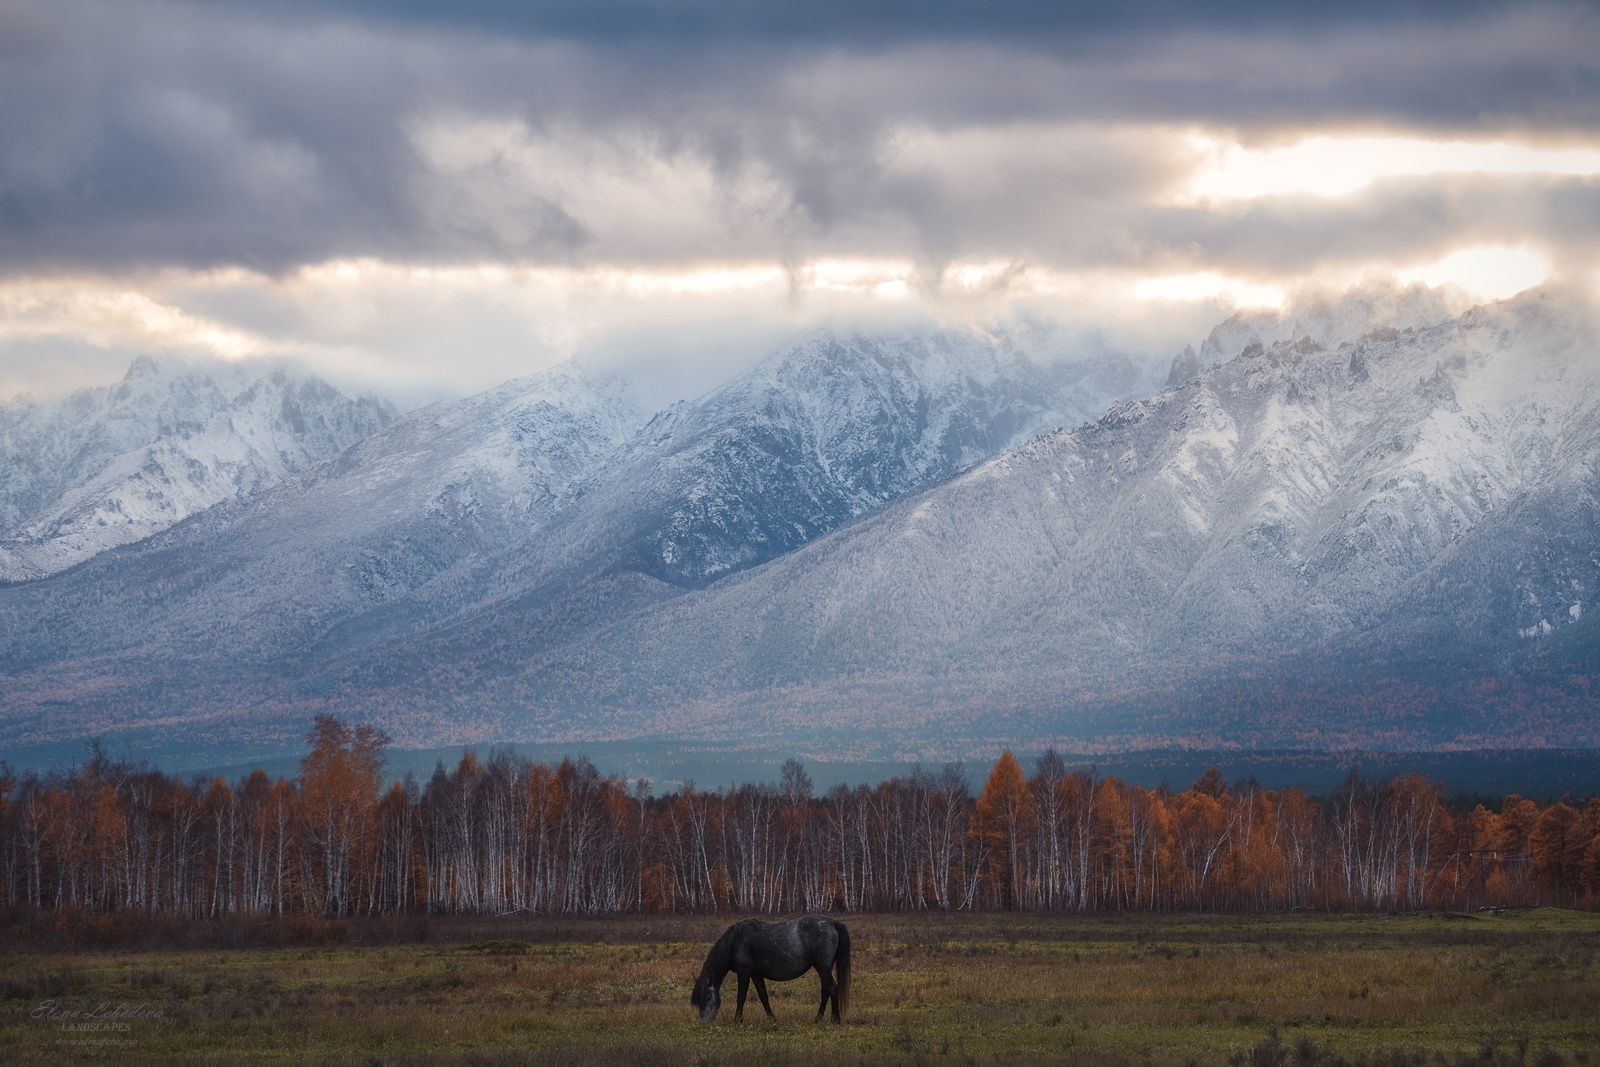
(720, 958)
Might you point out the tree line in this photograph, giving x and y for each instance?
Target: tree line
(506, 834)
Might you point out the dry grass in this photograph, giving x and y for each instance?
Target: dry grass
(1300, 991)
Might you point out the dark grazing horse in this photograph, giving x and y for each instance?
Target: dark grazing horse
(757, 951)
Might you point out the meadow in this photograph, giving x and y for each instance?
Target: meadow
(1518, 986)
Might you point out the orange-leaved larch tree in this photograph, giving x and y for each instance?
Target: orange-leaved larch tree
(1557, 844)
(1589, 864)
(1202, 824)
(339, 782)
(1003, 822)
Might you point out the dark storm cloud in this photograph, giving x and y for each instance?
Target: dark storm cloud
(878, 22)
(154, 134)
(271, 135)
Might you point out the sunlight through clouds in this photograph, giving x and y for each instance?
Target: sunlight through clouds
(1485, 273)
(1335, 166)
(110, 316)
(1208, 286)
(876, 277)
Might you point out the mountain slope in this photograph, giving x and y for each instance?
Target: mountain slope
(111, 466)
(408, 508)
(1386, 538)
(824, 431)
(1415, 501)
(514, 522)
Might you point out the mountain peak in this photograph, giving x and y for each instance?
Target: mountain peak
(1329, 321)
(1185, 365)
(112, 465)
(144, 365)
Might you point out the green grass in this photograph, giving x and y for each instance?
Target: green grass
(1517, 987)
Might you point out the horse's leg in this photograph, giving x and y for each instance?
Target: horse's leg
(744, 987)
(829, 989)
(761, 991)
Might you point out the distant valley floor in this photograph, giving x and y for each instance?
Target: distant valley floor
(1543, 773)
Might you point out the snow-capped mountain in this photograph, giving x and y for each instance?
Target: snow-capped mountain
(1385, 538)
(110, 466)
(1420, 503)
(829, 429)
(524, 517)
(394, 531)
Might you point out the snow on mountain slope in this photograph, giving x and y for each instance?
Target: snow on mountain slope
(813, 544)
(1424, 493)
(828, 429)
(406, 516)
(466, 503)
(508, 523)
(111, 466)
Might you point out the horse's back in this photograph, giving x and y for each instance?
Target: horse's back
(814, 933)
(786, 950)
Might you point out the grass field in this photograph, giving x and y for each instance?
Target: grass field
(1514, 987)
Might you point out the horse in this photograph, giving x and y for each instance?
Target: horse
(755, 950)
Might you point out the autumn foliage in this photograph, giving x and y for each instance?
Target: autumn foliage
(508, 835)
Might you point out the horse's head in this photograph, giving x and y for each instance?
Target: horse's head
(706, 998)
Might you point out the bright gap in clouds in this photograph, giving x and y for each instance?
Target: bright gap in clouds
(1334, 166)
(1207, 286)
(420, 333)
(105, 316)
(1486, 273)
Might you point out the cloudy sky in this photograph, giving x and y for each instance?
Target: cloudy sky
(430, 198)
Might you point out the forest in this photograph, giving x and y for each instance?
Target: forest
(505, 835)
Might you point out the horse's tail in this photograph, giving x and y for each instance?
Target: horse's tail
(842, 958)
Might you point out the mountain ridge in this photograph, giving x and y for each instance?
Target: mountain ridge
(1345, 521)
(1279, 579)
(551, 498)
(113, 465)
